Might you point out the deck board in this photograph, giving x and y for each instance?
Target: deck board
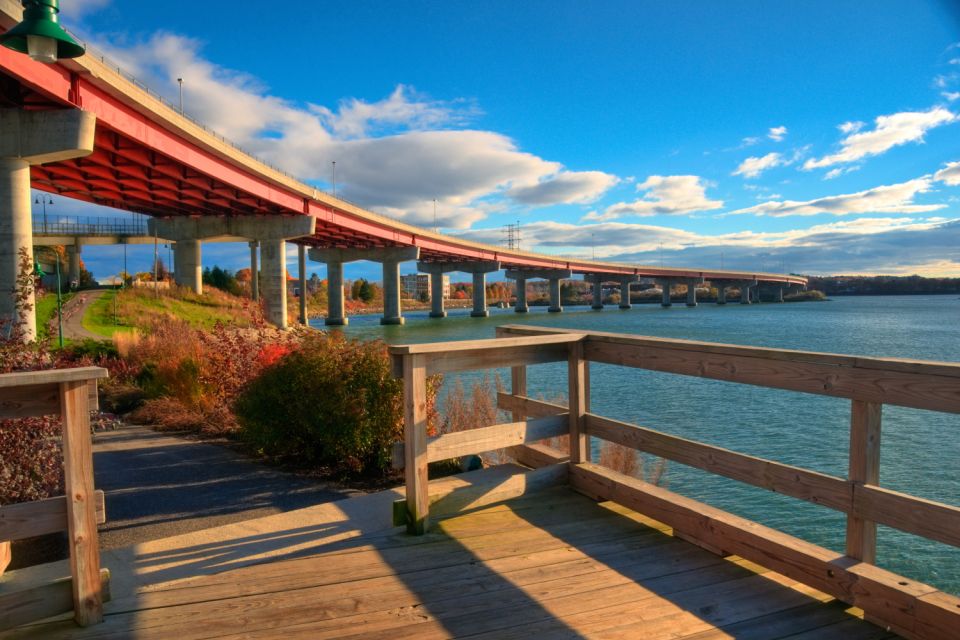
(552, 565)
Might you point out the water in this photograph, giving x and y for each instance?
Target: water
(920, 449)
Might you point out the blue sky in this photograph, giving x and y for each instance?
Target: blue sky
(818, 137)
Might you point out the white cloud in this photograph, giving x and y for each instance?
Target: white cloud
(949, 175)
(896, 198)
(393, 155)
(749, 142)
(566, 187)
(890, 131)
(950, 96)
(754, 166)
(777, 133)
(665, 195)
(839, 171)
(77, 8)
(851, 126)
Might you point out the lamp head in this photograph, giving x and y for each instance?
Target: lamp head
(40, 35)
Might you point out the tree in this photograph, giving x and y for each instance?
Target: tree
(366, 292)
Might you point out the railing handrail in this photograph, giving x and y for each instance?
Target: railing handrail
(910, 608)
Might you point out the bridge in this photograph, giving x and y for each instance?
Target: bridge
(81, 129)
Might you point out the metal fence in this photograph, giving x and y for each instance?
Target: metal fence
(89, 226)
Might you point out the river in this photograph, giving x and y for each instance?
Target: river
(920, 449)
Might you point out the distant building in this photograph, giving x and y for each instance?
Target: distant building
(417, 285)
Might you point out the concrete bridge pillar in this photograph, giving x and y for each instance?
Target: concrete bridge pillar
(26, 138)
(187, 265)
(302, 273)
(552, 275)
(521, 306)
(556, 304)
(597, 292)
(274, 269)
(73, 272)
(270, 232)
(254, 271)
(745, 287)
(335, 315)
(625, 292)
(721, 294)
(391, 293)
(665, 297)
(436, 296)
(779, 294)
(692, 284)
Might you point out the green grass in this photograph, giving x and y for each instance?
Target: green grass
(99, 317)
(47, 311)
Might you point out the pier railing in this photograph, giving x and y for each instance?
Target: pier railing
(89, 226)
(70, 393)
(907, 607)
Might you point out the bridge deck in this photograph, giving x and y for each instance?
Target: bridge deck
(550, 565)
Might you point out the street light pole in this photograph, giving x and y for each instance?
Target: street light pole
(334, 182)
(44, 200)
(180, 82)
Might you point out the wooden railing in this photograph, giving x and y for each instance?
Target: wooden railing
(907, 607)
(71, 393)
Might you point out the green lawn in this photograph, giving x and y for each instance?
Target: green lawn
(47, 311)
(99, 316)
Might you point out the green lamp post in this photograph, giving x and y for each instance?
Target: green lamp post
(40, 35)
(40, 272)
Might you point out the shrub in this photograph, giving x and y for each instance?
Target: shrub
(332, 402)
(168, 414)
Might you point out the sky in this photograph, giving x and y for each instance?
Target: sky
(820, 137)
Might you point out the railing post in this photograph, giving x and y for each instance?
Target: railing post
(577, 372)
(518, 387)
(864, 469)
(81, 506)
(415, 440)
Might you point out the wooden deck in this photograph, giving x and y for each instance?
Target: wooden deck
(552, 564)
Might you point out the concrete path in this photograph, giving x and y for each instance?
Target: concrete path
(159, 485)
(73, 312)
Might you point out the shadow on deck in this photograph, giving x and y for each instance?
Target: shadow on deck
(550, 564)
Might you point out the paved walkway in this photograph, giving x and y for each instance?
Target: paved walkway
(73, 312)
(159, 485)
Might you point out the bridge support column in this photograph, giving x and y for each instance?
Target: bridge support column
(779, 295)
(597, 282)
(302, 273)
(552, 275)
(254, 271)
(271, 233)
(274, 268)
(335, 315)
(391, 293)
(187, 265)
(692, 284)
(745, 287)
(556, 304)
(521, 305)
(73, 253)
(436, 296)
(665, 297)
(625, 292)
(26, 138)
(721, 294)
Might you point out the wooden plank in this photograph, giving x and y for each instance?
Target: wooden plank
(818, 488)
(5, 556)
(81, 510)
(861, 540)
(518, 387)
(498, 436)
(938, 616)
(904, 365)
(415, 442)
(51, 376)
(29, 401)
(40, 517)
(528, 407)
(909, 383)
(885, 596)
(493, 344)
(468, 360)
(43, 601)
(577, 399)
(538, 455)
(933, 520)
